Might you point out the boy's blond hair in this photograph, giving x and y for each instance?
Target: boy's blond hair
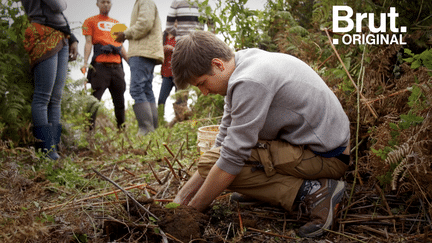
(193, 56)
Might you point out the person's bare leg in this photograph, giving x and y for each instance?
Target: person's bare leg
(189, 189)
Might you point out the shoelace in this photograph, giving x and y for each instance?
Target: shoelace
(303, 206)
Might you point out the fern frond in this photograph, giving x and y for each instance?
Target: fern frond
(394, 156)
(322, 12)
(406, 153)
(400, 168)
(299, 30)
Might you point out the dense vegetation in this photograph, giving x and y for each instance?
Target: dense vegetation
(385, 90)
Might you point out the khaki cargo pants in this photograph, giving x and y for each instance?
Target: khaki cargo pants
(276, 170)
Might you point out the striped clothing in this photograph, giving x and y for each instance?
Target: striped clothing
(186, 15)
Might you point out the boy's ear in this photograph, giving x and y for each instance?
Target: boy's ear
(218, 63)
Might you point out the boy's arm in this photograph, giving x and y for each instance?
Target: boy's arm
(216, 182)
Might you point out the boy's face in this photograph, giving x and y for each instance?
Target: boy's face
(217, 83)
(104, 6)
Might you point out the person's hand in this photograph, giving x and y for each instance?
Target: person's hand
(84, 68)
(73, 51)
(120, 36)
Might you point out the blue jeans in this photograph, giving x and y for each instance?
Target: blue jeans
(141, 79)
(167, 85)
(49, 78)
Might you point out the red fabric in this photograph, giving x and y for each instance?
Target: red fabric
(41, 42)
(166, 70)
(99, 27)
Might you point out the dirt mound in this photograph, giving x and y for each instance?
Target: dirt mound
(181, 223)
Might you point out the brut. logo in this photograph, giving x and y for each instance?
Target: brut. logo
(378, 33)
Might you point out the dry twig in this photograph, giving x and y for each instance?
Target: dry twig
(269, 233)
(349, 75)
(126, 193)
(165, 239)
(171, 168)
(93, 197)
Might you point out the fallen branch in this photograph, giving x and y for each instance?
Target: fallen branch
(154, 174)
(385, 97)
(164, 237)
(240, 218)
(376, 231)
(371, 219)
(328, 58)
(127, 194)
(387, 207)
(115, 202)
(173, 238)
(344, 235)
(96, 196)
(269, 233)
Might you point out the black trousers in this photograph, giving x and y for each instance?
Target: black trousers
(109, 76)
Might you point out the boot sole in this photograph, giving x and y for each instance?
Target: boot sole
(337, 196)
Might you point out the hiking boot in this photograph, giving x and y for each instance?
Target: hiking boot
(243, 200)
(321, 205)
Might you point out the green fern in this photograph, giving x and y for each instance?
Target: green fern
(16, 87)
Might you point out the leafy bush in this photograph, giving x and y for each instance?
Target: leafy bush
(16, 86)
(240, 26)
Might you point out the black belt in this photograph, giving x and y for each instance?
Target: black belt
(344, 158)
(110, 64)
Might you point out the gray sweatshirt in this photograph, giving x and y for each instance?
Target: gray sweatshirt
(277, 96)
(46, 12)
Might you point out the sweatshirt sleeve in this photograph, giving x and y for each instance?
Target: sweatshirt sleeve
(144, 23)
(56, 6)
(249, 103)
(225, 123)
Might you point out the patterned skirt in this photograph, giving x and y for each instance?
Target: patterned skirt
(42, 42)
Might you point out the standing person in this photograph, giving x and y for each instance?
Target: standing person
(106, 61)
(284, 136)
(145, 51)
(183, 15)
(166, 72)
(50, 44)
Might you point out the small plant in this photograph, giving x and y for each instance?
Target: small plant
(418, 60)
(172, 205)
(63, 173)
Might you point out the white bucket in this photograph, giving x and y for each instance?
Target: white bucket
(206, 137)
